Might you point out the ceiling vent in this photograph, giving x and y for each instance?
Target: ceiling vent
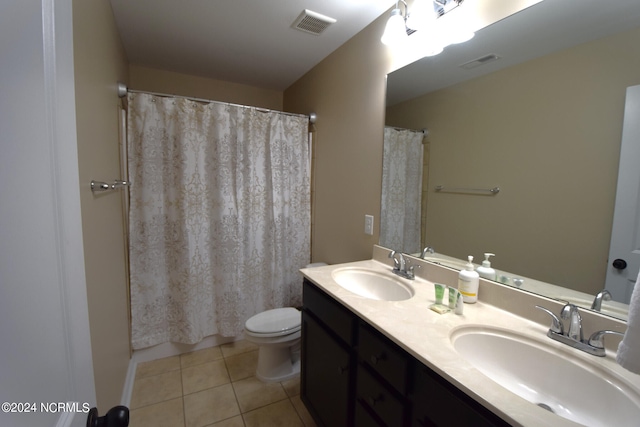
(480, 61)
(312, 22)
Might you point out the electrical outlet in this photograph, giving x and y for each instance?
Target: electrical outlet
(368, 225)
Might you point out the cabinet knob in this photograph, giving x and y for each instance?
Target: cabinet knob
(342, 369)
(377, 358)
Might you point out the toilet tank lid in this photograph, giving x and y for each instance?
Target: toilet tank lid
(276, 320)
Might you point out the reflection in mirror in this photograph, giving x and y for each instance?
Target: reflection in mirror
(545, 128)
(401, 189)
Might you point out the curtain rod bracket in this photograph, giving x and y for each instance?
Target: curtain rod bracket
(122, 90)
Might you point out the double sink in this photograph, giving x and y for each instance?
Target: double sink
(556, 378)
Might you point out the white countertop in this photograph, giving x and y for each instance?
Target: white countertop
(425, 334)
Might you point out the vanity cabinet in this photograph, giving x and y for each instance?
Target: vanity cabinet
(328, 360)
(354, 376)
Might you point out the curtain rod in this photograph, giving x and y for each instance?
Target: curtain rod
(123, 90)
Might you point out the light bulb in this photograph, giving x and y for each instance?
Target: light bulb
(395, 31)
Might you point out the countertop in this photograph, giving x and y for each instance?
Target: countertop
(425, 334)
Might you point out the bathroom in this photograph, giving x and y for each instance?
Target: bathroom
(356, 72)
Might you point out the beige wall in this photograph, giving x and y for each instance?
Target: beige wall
(548, 133)
(153, 80)
(347, 91)
(100, 62)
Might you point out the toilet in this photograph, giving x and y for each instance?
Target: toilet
(277, 333)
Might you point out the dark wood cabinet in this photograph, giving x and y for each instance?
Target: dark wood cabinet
(328, 359)
(354, 376)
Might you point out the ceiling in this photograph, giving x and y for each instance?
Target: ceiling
(253, 42)
(242, 41)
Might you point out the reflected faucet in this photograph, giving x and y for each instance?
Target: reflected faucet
(427, 250)
(603, 295)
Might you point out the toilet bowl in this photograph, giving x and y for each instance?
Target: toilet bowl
(277, 333)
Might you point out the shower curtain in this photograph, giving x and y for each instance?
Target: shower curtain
(400, 218)
(219, 216)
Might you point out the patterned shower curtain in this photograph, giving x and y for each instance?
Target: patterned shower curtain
(400, 218)
(219, 216)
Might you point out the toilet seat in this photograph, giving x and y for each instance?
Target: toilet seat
(274, 323)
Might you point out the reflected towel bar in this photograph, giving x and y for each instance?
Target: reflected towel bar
(99, 186)
(489, 191)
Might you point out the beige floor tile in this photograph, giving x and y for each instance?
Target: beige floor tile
(279, 414)
(159, 366)
(242, 365)
(200, 356)
(164, 414)
(302, 411)
(253, 393)
(231, 422)
(292, 387)
(203, 376)
(237, 347)
(155, 389)
(210, 406)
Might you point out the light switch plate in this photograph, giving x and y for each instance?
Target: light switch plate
(368, 225)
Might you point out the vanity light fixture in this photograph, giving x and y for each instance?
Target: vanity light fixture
(421, 19)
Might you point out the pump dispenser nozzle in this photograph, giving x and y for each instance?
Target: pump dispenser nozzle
(486, 262)
(485, 270)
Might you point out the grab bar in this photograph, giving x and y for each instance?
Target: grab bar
(490, 191)
(100, 186)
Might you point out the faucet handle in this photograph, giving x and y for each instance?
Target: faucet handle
(410, 270)
(597, 338)
(556, 324)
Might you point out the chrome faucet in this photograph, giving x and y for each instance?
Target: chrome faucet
(398, 260)
(400, 266)
(570, 312)
(427, 250)
(573, 335)
(603, 295)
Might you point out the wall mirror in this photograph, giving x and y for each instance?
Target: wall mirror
(534, 105)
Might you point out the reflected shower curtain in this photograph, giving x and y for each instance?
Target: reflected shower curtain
(219, 216)
(401, 190)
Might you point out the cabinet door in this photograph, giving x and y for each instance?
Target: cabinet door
(325, 385)
(437, 403)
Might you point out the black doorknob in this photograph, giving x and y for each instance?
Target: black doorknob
(620, 264)
(118, 416)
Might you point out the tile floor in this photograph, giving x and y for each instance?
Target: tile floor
(214, 387)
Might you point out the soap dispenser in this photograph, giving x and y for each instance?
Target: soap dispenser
(485, 270)
(468, 281)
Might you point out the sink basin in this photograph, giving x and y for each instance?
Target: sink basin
(554, 379)
(372, 284)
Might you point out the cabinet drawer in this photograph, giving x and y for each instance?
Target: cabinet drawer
(334, 315)
(384, 357)
(379, 400)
